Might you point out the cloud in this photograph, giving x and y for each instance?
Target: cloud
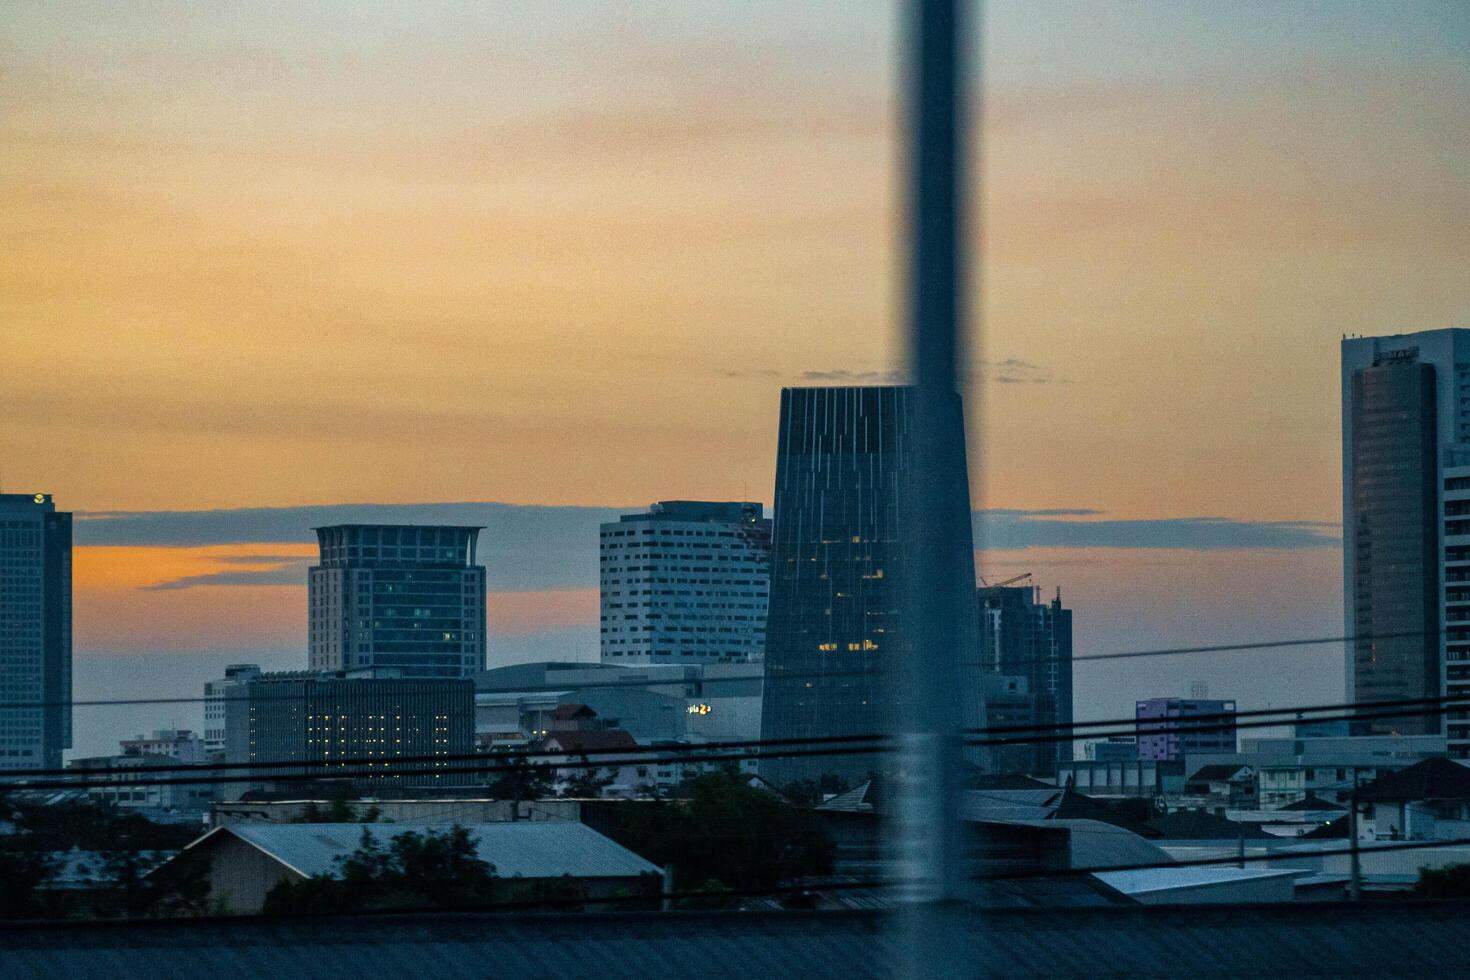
(1014, 529)
(892, 377)
(1009, 370)
(523, 548)
(280, 570)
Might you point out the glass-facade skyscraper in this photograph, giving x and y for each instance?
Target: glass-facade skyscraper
(35, 631)
(410, 598)
(844, 462)
(1406, 572)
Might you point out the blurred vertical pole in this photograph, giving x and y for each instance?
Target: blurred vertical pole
(929, 729)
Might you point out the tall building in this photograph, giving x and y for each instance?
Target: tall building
(843, 468)
(686, 582)
(406, 597)
(1020, 635)
(1406, 542)
(1166, 734)
(307, 717)
(214, 703)
(35, 631)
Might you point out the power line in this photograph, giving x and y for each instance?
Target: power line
(703, 682)
(443, 765)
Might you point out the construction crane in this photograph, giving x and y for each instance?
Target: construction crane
(1010, 581)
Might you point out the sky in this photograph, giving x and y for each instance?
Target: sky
(550, 261)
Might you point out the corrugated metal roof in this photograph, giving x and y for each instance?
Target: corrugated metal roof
(1203, 942)
(539, 849)
(1168, 879)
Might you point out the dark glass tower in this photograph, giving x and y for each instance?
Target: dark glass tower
(35, 631)
(844, 460)
(1394, 516)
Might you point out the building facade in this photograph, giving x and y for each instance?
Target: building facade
(1021, 635)
(214, 703)
(328, 719)
(686, 582)
(179, 744)
(1406, 540)
(843, 467)
(406, 597)
(1166, 732)
(35, 631)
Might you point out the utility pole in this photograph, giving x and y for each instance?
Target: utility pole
(932, 859)
(1355, 887)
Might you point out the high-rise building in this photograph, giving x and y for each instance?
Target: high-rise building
(844, 466)
(1406, 539)
(1166, 732)
(214, 703)
(1020, 635)
(35, 631)
(314, 718)
(686, 582)
(406, 597)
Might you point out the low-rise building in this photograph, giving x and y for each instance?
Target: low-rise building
(181, 745)
(247, 860)
(1427, 801)
(135, 782)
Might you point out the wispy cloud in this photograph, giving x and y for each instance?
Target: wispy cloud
(1009, 370)
(1013, 529)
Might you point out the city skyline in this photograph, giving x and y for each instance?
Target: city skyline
(686, 212)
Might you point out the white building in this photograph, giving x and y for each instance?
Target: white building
(215, 693)
(179, 744)
(687, 582)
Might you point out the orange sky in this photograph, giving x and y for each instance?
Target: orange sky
(308, 254)
(274, 257)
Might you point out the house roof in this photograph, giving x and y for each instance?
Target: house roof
(1204, 941)
(1432, 779)
(1200, 825)
(567, 712)
(530, 849)
(1155, 880)
(1216, 773)
(1312, 802)
(596, 740)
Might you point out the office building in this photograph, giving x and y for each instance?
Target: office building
(35, 631)
(686, 582)
(214, 703)
(1010, 704)
(1406, 544)
(1021, 635)
(406, 597)
(843, 467)
(316, 718)
(1170, 729)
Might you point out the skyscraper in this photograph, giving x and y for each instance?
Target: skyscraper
(1021, 636)
(1406, 483)
(687, 582)
(843, 466)
(406, 597)
(35, 631)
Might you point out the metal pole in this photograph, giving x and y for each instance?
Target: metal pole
(936, 610)
(1355, 889)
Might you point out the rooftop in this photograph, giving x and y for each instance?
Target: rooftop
(530, 849)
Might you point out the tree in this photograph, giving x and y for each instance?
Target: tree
(589, 783)
(337, 811)
(726, 832)
(522, 781)
(812, 792)
(1451, 881)
(429, 870)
